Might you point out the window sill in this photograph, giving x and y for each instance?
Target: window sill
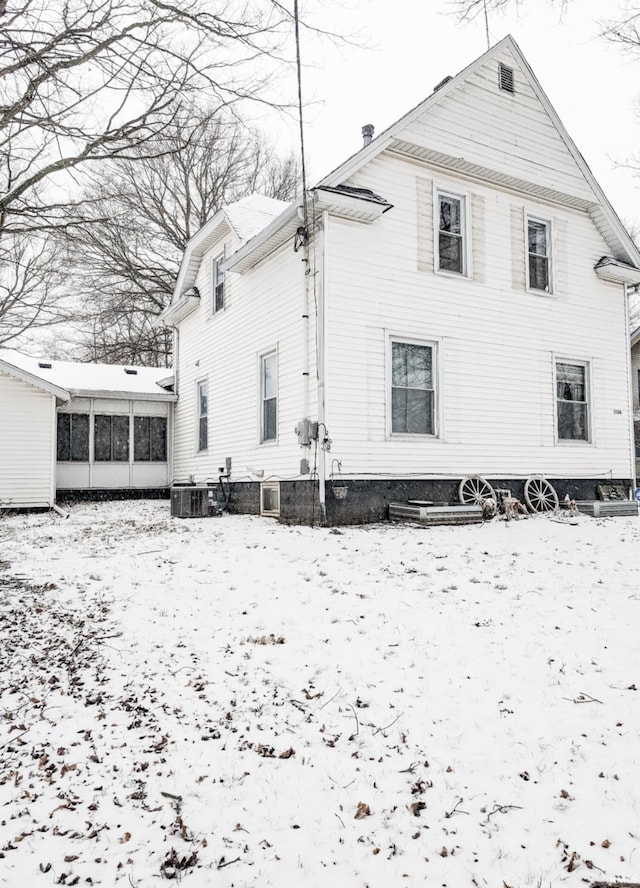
(455, 275)
(573, 442)
(412, 436)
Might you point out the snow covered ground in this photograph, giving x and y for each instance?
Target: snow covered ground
(232, 702)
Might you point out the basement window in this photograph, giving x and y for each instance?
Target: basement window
(505, 78)
(270, 498)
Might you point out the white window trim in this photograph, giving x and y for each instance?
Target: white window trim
(588, 381)
(273, 487)
(465, 206)
(199, 384)
(551, 247)
(436, 346)
(215, 261)
(270, 352)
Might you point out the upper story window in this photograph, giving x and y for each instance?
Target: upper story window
(73, 437)
(412, 388)
(539, 255)
(203, 415)
(572, 399)
(217, 274)
(269, 397)
(451, 241)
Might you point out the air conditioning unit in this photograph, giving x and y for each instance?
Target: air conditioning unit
(192, 502)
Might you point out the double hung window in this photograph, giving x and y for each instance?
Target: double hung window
(217, 272)
(451, 241)
(539, 255)
(572, 399)
(203, 415)
(412, 388)
(269, 396)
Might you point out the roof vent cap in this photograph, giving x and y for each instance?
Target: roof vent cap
(367, 134)
(444, 81)
(131, 371)
(44, 365)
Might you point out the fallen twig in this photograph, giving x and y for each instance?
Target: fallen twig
(455, 810)
(222, 862)
(386, 727)
(502, 809)
(356, 718)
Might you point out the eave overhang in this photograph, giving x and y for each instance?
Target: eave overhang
(611, 269)
(24, 376)
(354, 204)
(122, 396)
(476, 172)
(357, 204)
(178, 310)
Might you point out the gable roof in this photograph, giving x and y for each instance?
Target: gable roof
(586, 194)
(66, 379)
(245, 217)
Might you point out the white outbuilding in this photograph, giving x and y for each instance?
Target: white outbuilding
(70, 428)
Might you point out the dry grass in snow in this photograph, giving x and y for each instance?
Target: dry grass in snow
(231, 702)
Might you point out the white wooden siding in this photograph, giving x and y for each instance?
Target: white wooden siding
(27, 435)
(497, 345)
(510, 133)
(263, 311)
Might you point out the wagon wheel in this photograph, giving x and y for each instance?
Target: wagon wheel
(475, 490)
(540, 495)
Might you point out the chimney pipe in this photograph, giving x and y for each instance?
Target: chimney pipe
(367, 134)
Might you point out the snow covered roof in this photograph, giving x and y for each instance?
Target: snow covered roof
(253, 213)
(70, 378)
(246, 217)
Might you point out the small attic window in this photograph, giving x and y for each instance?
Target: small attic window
(131, 371)
(505, 78)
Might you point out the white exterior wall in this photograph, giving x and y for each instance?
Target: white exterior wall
(93, 475)
(27, 436)
(263, 312)
(510, 133)
(496, 342)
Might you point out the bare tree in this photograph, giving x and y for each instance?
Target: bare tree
(85, 81)
(468, 10)
(122, 261)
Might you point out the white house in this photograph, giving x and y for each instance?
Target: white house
(450, 302)
(72, 429)
(635, 390)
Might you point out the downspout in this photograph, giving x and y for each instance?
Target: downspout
(172, 410)
(632, 442)
(320, 360)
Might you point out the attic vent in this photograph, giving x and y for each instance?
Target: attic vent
(131, 371)
(44, 365)
(505, 76)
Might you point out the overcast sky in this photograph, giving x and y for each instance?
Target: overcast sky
(406, 47)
